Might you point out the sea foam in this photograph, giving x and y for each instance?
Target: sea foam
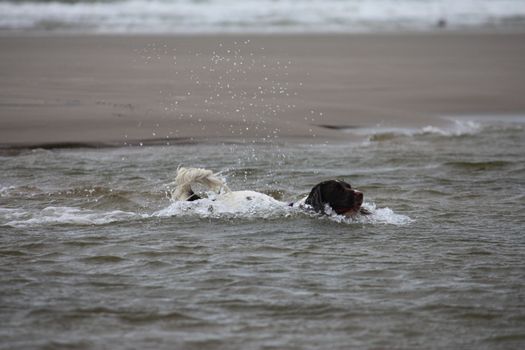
(202, 209)
(273, 209)
(239, 205)
(455, 128)
(63, 216)
(190, 16)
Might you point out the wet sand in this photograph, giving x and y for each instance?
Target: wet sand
(119, 90)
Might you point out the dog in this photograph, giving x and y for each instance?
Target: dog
(325, 198)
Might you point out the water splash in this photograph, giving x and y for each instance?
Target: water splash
(458, 128)
(376, 216)
(268, 208)
(64, 216)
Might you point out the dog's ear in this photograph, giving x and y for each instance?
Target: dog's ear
(315, 199)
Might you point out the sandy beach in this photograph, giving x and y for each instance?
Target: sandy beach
(120, 90)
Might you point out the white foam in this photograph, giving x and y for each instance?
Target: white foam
(8, 214)
(455, 127)
(377, 216)
(232, 205)
(164, 16)
(205, 209)
(383, 216)
(268, 208)
(63, 216)
(6, 190)
(459, 128)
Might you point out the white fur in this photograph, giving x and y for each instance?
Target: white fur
(235, 200)
(239, 200)
(188, 176)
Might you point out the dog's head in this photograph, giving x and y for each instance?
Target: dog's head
(339, 195)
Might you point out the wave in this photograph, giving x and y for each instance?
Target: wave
(190, 16)
(201, 209)
(379, 133)
(63, 216)
(453, 128)
(273, 209)
(494, 165)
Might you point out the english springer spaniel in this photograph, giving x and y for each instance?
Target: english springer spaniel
(331, 195)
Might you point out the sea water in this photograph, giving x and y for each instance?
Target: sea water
(95, 254)
(259, 16)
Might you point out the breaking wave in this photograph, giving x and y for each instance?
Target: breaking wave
(453, 128)
(183, 16)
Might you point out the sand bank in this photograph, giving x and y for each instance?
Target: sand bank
(122, 89)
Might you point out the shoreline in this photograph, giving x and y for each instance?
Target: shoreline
(112, 90)
(476, 30)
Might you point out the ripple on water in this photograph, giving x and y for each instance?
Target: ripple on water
(103, 259)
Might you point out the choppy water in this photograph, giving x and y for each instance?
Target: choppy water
(94, 255)
(212, 16)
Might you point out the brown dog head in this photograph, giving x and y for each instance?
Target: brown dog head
(339, 195)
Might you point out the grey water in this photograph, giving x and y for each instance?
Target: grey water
(94, 254)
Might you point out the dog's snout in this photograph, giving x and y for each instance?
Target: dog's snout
(359, 195)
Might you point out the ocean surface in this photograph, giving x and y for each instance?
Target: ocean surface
(94, 254)
(257, 16)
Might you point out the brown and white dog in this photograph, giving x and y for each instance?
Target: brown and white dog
(331, 195)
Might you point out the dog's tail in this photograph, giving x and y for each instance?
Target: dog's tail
(188, 176)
